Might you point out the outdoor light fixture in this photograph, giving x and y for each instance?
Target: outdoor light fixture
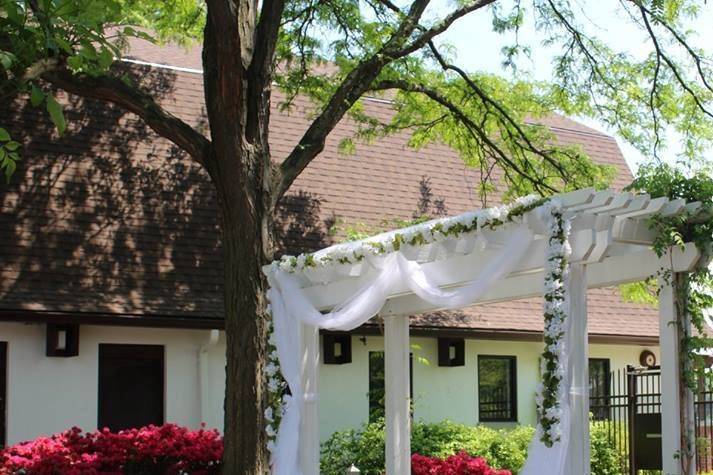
(451, 352)
(62, 340)
(337, 348)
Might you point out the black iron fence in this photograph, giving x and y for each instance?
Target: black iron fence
(704, 424)
(630, 414)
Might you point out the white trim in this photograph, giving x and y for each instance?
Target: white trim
(200, 71)
(161, 66)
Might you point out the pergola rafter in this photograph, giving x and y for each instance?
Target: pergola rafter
(611, 244)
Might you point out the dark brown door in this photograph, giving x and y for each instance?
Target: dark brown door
(131, 386)
(3, 393)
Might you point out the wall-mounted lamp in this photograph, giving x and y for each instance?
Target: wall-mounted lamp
(451, 352)
(62, 340)
(337, 348)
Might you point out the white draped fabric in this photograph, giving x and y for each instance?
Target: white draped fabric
(553, 460)
(291, 307)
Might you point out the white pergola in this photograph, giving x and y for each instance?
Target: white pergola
(611, 244)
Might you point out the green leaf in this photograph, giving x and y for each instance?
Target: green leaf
(12, 146)
(36, 96)
(105, 58)
(6, 59)
(75, 63)
(10, 168)
(56, 114)
(4, 135)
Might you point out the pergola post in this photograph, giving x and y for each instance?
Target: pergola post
(677, 410)
(309, 423)
(398, 397)
(578, 456)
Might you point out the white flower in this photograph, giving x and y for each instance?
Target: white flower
(269, 416)
(270, 431)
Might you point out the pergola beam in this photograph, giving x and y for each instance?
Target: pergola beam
(628, 267)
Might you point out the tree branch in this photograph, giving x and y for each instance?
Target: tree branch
(488, 101)
(443, 25)
(262, 65)
(345, 96)
(480, 134)
(672, 66)
(115, 91)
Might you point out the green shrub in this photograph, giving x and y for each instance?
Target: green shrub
(503, 449)
(365, 447)
(606, 460)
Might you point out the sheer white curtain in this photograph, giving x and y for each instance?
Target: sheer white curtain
(553, 460)
(290, 307)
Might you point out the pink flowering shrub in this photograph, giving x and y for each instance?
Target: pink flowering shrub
(168, 449)
(460, 464)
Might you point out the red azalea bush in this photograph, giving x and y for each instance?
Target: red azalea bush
(460, 464)
(168, 449)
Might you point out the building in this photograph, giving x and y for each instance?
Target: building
(111, 274)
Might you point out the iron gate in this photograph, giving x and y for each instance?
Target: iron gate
(630, 414)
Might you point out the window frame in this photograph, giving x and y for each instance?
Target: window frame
(607, 386)
(513, 388)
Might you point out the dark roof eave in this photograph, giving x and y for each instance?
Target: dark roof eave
(206, 323)
(508, 334)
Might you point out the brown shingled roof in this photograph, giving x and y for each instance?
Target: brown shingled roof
(90, 225)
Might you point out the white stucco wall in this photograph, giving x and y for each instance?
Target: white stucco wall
(442, 393)
(48, 395)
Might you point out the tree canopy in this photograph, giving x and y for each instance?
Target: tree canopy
(323, 48)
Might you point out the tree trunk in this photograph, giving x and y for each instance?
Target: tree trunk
(237, 93)
(246, 334)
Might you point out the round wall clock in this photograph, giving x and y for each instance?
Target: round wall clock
(647, 358)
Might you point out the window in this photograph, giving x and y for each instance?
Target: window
(497, 389)
(131, 386)
(3, 393)
(377, 384)
(599, 388)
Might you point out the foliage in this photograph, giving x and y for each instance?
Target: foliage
(605, 458)
(459, 464)
(168, 449)
(501, 449)
(693, 290)
(365, 447)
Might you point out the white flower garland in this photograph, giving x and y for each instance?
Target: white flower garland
(550, 391)
(418, 235)
(276, 388)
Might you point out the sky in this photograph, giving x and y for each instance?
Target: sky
(477, 47)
